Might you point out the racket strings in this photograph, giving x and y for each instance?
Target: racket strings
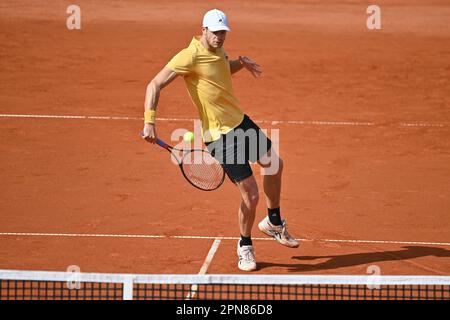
(202, 170)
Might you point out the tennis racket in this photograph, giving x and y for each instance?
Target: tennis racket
(198, 166)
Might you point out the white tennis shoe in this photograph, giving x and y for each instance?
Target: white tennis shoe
(280, 233)
(246, 255)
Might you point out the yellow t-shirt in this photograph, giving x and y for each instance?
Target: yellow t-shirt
(208, 79)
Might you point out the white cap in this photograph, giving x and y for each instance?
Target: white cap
(215, 20)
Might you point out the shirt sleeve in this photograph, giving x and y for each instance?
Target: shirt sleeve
(182, 63)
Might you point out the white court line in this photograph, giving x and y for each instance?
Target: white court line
(440, 125)
(33, 234)
(204, 267)
(44, 116)
(272, 122)
(210, 256)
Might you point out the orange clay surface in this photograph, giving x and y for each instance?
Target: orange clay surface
(384, 174)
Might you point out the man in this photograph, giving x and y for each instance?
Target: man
(206, 70)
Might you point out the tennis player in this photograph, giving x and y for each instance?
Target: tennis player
(206, 70)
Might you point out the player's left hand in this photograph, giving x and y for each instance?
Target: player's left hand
(251, 66)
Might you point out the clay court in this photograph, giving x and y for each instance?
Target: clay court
(363, 119)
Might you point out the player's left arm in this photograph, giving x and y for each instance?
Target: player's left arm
(236, 65)
(247, 63)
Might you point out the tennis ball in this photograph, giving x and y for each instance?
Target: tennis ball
(188, 136)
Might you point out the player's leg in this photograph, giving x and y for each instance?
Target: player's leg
(226, 150)
(273, 225)
(246, 215)
(272, 170)
(249, 200)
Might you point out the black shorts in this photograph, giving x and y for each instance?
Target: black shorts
(234, 150)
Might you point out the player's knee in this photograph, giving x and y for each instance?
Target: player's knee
(249, 192)
(253, 199)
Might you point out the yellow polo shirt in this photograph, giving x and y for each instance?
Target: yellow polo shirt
(208, 80)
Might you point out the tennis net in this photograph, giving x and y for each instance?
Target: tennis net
(43, 285)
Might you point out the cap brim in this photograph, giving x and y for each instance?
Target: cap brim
(219, 28)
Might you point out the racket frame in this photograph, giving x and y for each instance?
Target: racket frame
(169, 148)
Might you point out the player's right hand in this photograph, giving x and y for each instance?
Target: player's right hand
(149, 132)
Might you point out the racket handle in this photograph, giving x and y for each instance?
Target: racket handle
(161, 143)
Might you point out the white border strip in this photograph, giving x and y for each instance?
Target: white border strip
(272, 122)
(222, 278)
(80, 235)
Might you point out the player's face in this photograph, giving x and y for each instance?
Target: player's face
(215, 39)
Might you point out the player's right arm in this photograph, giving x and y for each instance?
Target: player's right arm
(162, 79)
